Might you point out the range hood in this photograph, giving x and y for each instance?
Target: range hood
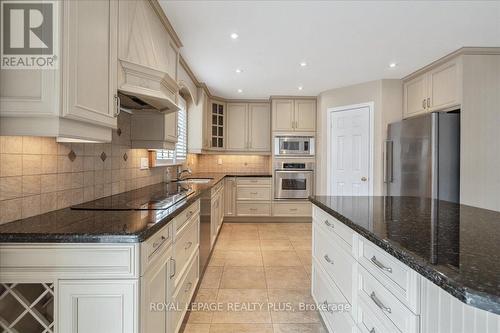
(146, 88)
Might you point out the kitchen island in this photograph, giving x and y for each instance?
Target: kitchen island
(102, 265)
(415, 265)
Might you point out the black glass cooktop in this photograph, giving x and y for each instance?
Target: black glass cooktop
(149, 198)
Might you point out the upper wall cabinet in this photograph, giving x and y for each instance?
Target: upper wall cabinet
(77, 100)
(294, 115)
(248, 127)
(440, 88)
(216, 125)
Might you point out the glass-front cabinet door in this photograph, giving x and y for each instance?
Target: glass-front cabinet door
(217, 119)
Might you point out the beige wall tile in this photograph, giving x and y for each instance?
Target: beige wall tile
(12, 165)
(31, 206)
(11, 144)
(31, 164)
(77, 164)
(10, 210)
(77, 180)
(48, 183)
(63, 164)
(48, 202)
(49, 164)
(49, 146)
(11, 187)
(31, 185)
(88, 193)
(88, 178)
(32, 145)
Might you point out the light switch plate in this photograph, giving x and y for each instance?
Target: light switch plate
(144, 163)
(219, 161)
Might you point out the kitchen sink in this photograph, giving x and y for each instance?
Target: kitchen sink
(195, 180)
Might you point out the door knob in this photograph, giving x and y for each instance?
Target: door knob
(364, 179)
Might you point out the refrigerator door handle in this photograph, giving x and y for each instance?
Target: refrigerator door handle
(388, 170)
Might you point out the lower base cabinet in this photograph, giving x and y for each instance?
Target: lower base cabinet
(98, 306)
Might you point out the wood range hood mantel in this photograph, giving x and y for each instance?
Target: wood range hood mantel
(150, 85)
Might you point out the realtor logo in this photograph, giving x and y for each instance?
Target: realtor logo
(28, 35)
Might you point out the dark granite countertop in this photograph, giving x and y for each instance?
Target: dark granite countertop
(457, 250)
(121, 225)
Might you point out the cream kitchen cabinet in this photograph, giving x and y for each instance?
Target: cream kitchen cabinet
(230, 196)
(77, 100)
(294, 115)
(98, 306)
(217, 210)
(153, 130)
(216, 125)
(439, 88)
(248, 127)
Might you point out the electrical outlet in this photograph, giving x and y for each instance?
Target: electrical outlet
(219, 161)
(144, 163)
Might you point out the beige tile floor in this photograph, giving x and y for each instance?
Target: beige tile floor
(261, 263)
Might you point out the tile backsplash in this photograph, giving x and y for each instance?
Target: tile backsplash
(230, 163)
(38, 174)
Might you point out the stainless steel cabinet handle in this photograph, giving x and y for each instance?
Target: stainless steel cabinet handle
(372, 330)
(188, 245)
(364, 179)
(380, 265)
(428, 102)
(253, 209)
(118, 104)
(253, 193)
(327, 259)
(379, 303)
(172, 262)
(423, 103)
(328, 224)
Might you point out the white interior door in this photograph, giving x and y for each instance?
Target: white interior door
(350, 152)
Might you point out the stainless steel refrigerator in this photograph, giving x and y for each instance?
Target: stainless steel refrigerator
(422, 157)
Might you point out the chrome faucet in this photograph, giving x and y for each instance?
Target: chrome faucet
(187, 170)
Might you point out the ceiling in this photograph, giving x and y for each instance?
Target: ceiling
(343, 43)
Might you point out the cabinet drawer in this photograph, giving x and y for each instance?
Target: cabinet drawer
(340, 266)
(181, 219)
(217, 187)
(253, 181)
(400, 279)
(185, 246)
(253, 193)
(155, 246)
(182, 296)
(368, 322)
(333, 226)
(334, 309)
(292, 209)
(384, 304)
(253, 208)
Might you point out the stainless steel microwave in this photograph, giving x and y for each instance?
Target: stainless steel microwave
(294, 146)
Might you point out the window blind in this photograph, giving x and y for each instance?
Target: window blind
(179, 154)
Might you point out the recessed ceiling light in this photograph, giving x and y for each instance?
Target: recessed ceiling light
(392, 65)
(240, 91)
(238, 70)
(303, 64)
(234, 35)
(300, 87)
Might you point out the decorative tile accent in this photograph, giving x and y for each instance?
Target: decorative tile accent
(125, 157)
(72, 155)
(103, 156)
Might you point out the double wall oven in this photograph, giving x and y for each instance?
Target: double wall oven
(293, 179)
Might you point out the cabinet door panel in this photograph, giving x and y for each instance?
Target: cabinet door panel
(283, 115)
(89, 75)
(97, 306)
(305, 115)
(171, 134)
(415, 95)
(230, 197)
(259, 127)
(237, 120)
(154, 291)
(444, 86)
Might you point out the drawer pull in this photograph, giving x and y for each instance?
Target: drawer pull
(161, 241)
(188, 245)
(328, 224)
(372, 330)
(254, 193)
(327, 258)
(380, 265)
(172, 262)
(379, 303)
(253, 209)
(188, 287)
(253, 180)
(293, 209)
(189, 214)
